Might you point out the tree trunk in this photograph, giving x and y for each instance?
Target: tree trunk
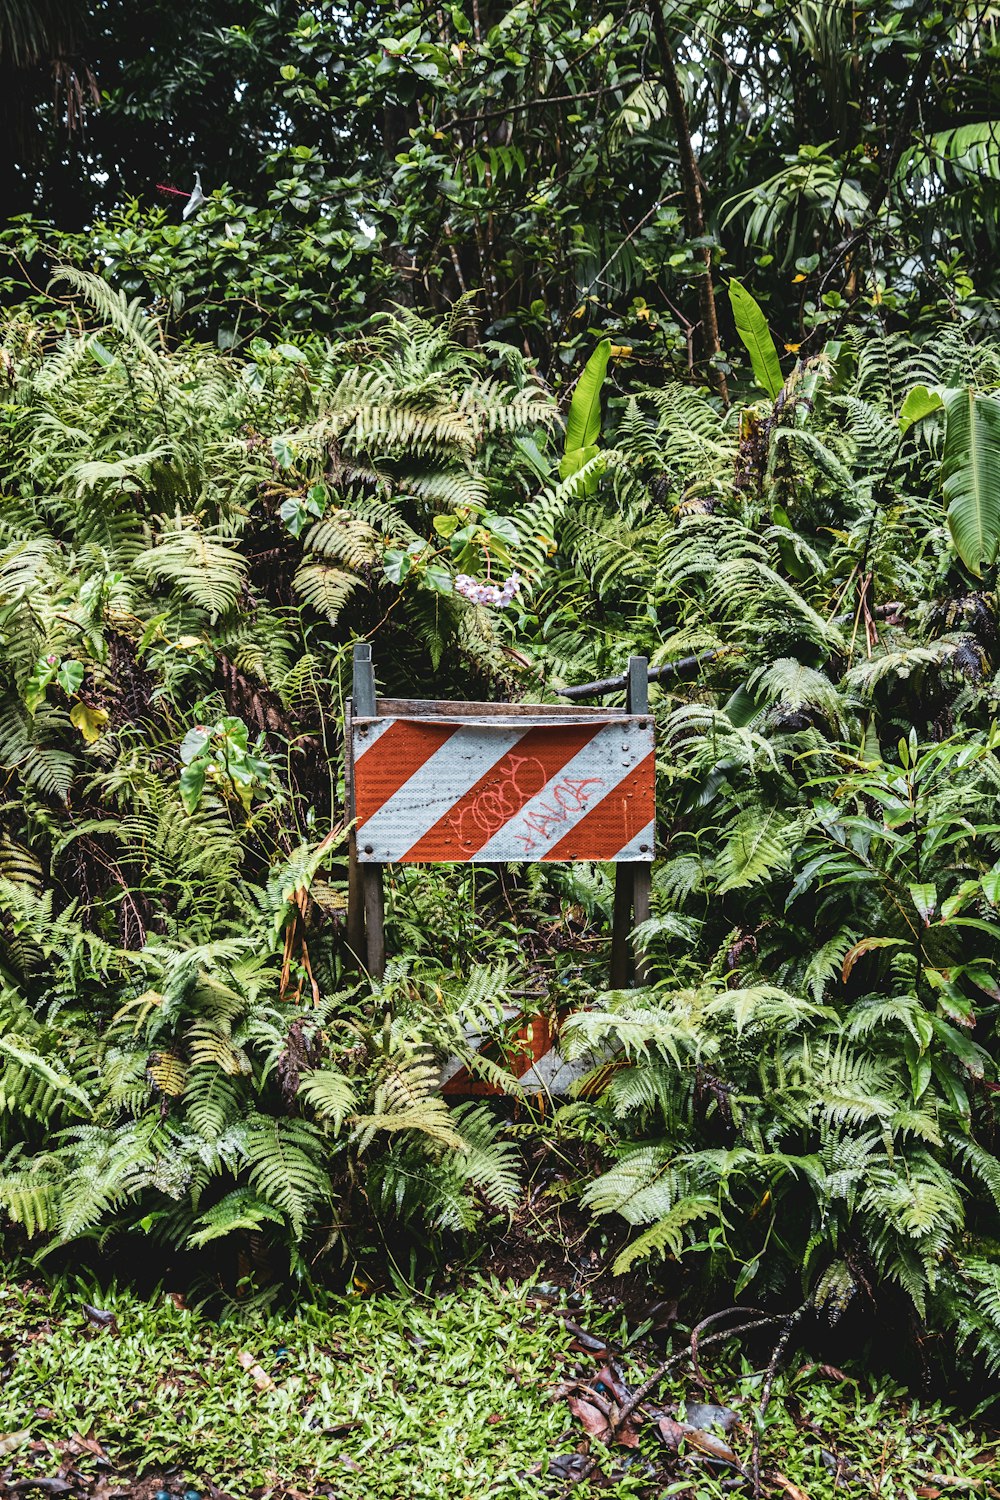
(694, 208)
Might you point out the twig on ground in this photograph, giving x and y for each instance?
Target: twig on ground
(641, 1392)
(789, 1321)
(706, 1323)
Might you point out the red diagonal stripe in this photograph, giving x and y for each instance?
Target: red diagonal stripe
(518, 1058)
(610, 823)
(398, 752)
(501, 793)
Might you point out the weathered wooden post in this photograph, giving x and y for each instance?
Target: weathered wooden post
(366, 895)
(633, 879)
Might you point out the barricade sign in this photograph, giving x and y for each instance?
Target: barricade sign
(453, 783)
(545, 784)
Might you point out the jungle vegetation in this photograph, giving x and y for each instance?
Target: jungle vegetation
(757, 245)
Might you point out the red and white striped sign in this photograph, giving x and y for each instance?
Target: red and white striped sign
(539, 785)
(531, 1055)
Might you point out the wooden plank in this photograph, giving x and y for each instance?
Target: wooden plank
(374, 897)
(621, 926)
(633, 878)
(355, 890)
(637, 702)
(501, 718)
(416, 707)
(367, 917)
(642, 880)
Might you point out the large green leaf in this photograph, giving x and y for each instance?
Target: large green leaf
(970, 475)
(583, 425)
(919, 403)
(751, 325)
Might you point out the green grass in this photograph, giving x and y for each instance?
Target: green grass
(411, 1398)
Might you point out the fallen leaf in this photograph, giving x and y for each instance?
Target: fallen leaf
(587, 1342)
(788, 1488)
(830, 1371)
(954, 1482)
(261, 1378)
(712, 1447)
(674, 1433)
(564, 1465)
(927, 1492)
(607, 1377)
(13, 1441)
(839, 1467)
(99, 1317)
(49, 1486)
(662, 1314)
(706, 1416)
(671, 1432)
(89, 1444)
(591, 1416)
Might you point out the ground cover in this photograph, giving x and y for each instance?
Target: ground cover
(491, 1389)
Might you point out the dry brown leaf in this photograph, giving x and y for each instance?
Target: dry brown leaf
(671, 1432)
(607, 1377)
(89, 1444)
(788, 1488)
(712, 1446)
(830, 1371)
(13, 1441)
(261, 1378)
(675, 1433)
(591, 1416)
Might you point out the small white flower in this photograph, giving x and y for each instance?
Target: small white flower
(488, 593)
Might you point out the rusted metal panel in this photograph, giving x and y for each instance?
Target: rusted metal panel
(489, 785)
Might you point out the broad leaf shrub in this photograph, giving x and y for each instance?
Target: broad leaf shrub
(803, 1099)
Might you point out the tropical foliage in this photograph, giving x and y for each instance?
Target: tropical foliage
(515, 344)
(581, 172)
(187, 544)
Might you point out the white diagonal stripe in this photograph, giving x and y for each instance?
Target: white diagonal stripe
(570, 794)
(447, 775)
(367, 732)
(639, 847)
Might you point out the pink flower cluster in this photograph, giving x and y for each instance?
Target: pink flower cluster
(488, 593)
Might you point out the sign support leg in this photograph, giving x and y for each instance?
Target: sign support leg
(366, 896)
(633, 881)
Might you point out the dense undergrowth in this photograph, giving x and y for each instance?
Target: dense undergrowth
(800, 1104)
